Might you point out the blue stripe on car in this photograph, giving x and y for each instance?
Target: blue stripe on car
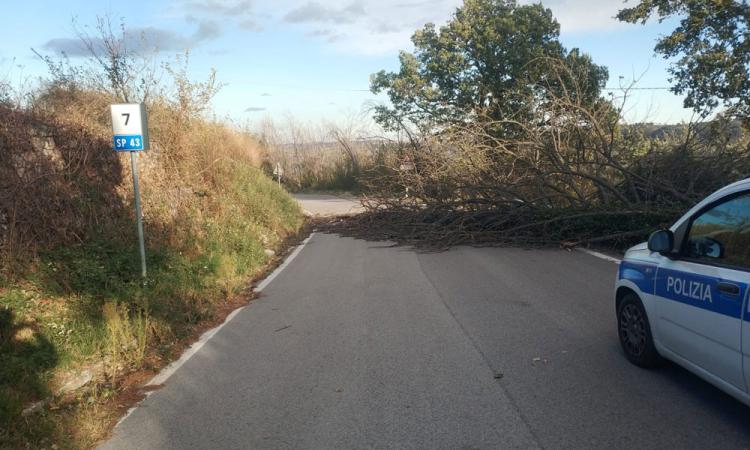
(688, 288)
(642, 275)
(700, 291)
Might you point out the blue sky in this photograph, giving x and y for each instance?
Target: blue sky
(312, 60)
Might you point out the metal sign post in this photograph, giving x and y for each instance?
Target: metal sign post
(138, 214)
(407, 165)
(279, 172)
(130, 131)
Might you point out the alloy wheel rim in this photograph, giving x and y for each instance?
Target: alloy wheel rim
(633, 329)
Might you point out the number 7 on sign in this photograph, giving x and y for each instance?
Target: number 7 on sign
(129, 135)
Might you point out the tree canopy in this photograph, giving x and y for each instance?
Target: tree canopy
(492, 60)
(711, 48)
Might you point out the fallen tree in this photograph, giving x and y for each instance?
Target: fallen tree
(572, 172)
(507, 137)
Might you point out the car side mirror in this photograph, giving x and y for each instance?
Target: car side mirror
(662, 242)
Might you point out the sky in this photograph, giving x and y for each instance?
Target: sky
(311, 60)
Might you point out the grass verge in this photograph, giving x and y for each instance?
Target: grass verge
(80, 328)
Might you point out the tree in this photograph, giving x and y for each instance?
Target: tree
(116, 63)
(491, 60)
(712, 47)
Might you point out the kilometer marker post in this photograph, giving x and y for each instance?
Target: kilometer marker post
(130, 134)
(138, 214)
(279, 172)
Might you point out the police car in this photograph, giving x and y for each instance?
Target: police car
(683, 295)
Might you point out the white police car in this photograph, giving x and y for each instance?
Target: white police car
(684, 294)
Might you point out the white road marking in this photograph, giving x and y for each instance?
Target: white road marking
(172, 368)
(168, 371)
(600, 255)
(263, 284)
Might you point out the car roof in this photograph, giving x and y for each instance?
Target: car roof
(736, 184)
(729, 189)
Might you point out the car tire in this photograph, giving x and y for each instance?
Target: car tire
(634, 331)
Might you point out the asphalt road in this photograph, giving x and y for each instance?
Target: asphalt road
(328, 205)
(361, 345)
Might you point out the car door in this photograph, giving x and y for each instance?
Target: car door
(701, 293)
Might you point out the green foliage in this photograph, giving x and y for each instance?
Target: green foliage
(86, 304)
(492, 60)
(712, 50)
(71, 295)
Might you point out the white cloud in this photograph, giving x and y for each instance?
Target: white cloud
(580, 16)
(314, 12)
(373, 27)
(239, 12)
(145, 39)
(220, 7)
(251, 25)
(384, 26)
(361, 26)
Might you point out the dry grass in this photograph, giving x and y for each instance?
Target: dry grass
(71, 298)
(319, 158)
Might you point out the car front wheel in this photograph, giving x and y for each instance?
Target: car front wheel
(635, 333)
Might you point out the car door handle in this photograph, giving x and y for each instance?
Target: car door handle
(729, 289)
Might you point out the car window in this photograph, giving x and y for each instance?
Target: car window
(722, 233)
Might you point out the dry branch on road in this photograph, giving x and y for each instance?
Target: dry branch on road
(569, 173)
(438, 230)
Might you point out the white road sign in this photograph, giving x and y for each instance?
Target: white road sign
(129, 127)
(130, 134)
(407, 164)
(279, 172)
